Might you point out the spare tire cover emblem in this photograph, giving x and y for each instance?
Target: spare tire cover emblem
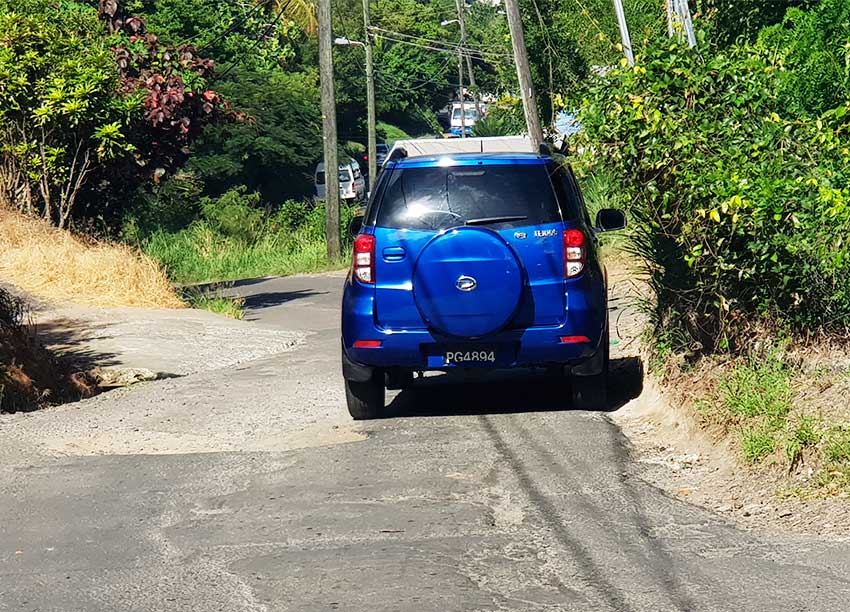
(466, 283)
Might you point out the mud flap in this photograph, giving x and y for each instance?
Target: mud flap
(598, 363)
(355, 372)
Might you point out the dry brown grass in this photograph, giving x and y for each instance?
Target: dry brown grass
(59, 266)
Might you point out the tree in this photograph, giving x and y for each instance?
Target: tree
(274, 151)
(92, 105)
(60, 106)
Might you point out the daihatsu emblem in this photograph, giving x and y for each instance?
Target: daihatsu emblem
(466, 283)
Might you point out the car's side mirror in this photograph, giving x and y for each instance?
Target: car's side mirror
(610, 220)
(355, 225)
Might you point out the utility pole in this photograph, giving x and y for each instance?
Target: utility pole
(372, 147)
(326, 73)
(687, 23)
(460, 89)
(624, 31)
(679, 19)
(462, 22)
(670, 30)
(529, 100)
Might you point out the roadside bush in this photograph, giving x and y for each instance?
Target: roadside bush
(504, 118)
(234, 215)
(739, 210)
(813, 50)
(235, 240)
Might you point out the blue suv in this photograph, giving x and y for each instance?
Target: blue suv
(475, 261)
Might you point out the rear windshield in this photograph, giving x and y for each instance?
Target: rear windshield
(437, 198)
(344, 177)
(470, 113)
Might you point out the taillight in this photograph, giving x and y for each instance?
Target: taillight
(575, 252)
(363, 259)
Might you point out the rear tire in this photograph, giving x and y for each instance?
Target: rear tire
(590, 392)
(365, 399)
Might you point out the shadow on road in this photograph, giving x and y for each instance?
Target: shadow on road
(509, 392)
(276, 298)
(71, 340)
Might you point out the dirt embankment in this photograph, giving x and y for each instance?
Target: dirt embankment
(61, 267)
(764, 442)
(30, 375)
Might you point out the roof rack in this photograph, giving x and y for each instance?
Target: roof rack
(397, 153)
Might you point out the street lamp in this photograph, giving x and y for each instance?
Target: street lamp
(371, 141)
(347, 42)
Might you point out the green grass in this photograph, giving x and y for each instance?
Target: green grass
(757, 443)
(199, 254)
(226, 306)
(758, 389)
(756, 398)
(600, 191)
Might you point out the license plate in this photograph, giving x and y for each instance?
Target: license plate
(469, 355)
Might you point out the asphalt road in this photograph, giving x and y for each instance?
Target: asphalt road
(482, 496)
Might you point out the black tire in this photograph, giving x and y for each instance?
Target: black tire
(591, 392)
(365, 399)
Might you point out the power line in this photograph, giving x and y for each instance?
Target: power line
(455, 46)
(414, 87)
(476, 53)
(430, 43)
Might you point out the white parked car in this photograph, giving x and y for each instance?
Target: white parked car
(352, 185)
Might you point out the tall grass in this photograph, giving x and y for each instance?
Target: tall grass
(235, 240)
(200, 254)
(57, 265)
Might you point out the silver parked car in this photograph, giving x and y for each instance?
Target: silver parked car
(352, 186)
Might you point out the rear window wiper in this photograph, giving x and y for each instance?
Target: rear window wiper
(486, 220)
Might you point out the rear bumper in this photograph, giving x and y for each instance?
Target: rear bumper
(421, 349)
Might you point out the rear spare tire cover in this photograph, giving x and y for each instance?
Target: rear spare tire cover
(467, 282)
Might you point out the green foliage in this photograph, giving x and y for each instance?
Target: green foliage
(233, 242)
(226, 306)
(733, 20)
(275, 151)
(739, 212)
(226, 31)
(503, 119)
(757, 443)
(170, 205)
(390, 133)
(758, 389)
(813, 51)
(60, 108)
(837, 448)
(234, 215)
(803, 435)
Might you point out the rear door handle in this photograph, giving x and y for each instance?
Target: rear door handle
(393, 253)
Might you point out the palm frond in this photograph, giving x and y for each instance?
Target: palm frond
(302, 12)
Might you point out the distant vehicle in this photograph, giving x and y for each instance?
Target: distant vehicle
(471, 261)
(382, 151)
(457, 123)
(352, 185)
